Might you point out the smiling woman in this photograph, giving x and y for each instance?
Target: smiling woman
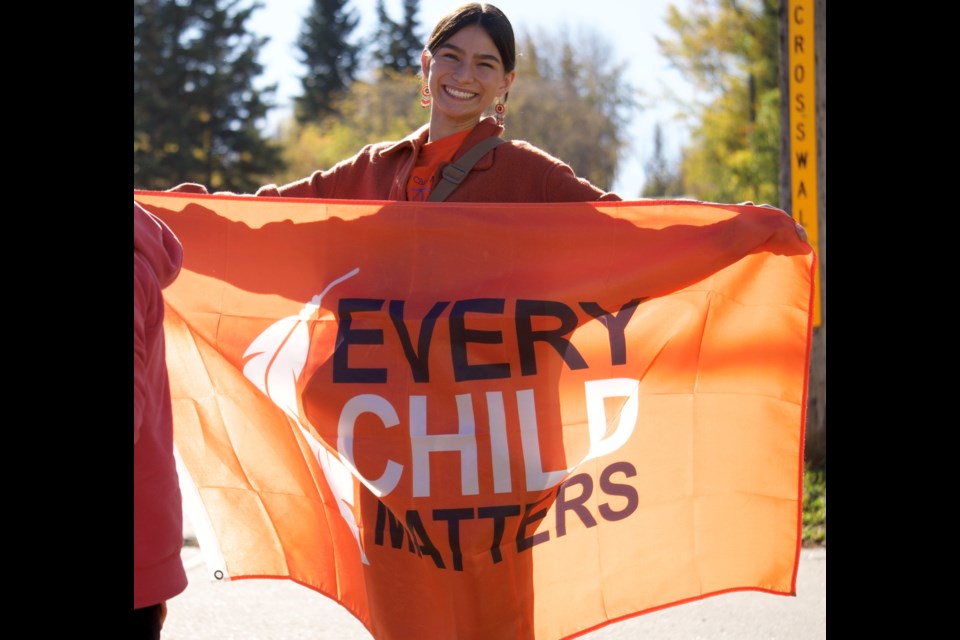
(467, 66)
(629, 28)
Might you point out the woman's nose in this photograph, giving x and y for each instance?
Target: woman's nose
(463, 70)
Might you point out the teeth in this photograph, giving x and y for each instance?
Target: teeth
(463, 95)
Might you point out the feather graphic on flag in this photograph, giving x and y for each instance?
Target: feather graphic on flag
(274, 362)
(277, 356)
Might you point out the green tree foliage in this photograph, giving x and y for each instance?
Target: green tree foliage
(729, 51)
(661, 180)
(195, 108)
(387, 109)
(572, 99)
(331, 61)
(397, 46)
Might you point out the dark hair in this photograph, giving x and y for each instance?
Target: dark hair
(487, 16)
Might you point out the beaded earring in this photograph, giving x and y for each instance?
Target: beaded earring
(500, 110)
(425, 97)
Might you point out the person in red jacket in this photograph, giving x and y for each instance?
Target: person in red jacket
(158, 572)
(467, 70)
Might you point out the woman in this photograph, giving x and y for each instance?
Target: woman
(467, 66)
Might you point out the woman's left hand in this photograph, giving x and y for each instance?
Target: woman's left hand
(800, 230)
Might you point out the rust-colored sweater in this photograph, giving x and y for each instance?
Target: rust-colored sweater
(514, 171)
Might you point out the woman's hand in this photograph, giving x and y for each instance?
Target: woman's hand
(800, 230)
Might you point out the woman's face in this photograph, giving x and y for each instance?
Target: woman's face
(465, 75)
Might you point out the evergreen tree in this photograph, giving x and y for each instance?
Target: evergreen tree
(398, 46)
(331, 60)
(195, 108)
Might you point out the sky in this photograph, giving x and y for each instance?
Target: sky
(630, 25)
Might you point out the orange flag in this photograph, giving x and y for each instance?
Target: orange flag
(480, 421)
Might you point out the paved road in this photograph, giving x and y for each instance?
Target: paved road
(283, 610)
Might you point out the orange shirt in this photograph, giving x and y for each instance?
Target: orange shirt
(431, 158)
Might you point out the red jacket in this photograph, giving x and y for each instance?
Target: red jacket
(158, 572)
(514, 171)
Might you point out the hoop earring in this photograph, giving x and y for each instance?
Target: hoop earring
(500, 110)
(425, 97)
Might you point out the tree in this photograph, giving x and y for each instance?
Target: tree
(729, 51)
(331, 60)
(398, 46)
(662, 181)
(196, 111)
(572, 100)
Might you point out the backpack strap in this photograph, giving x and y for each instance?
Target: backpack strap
(454, 173)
